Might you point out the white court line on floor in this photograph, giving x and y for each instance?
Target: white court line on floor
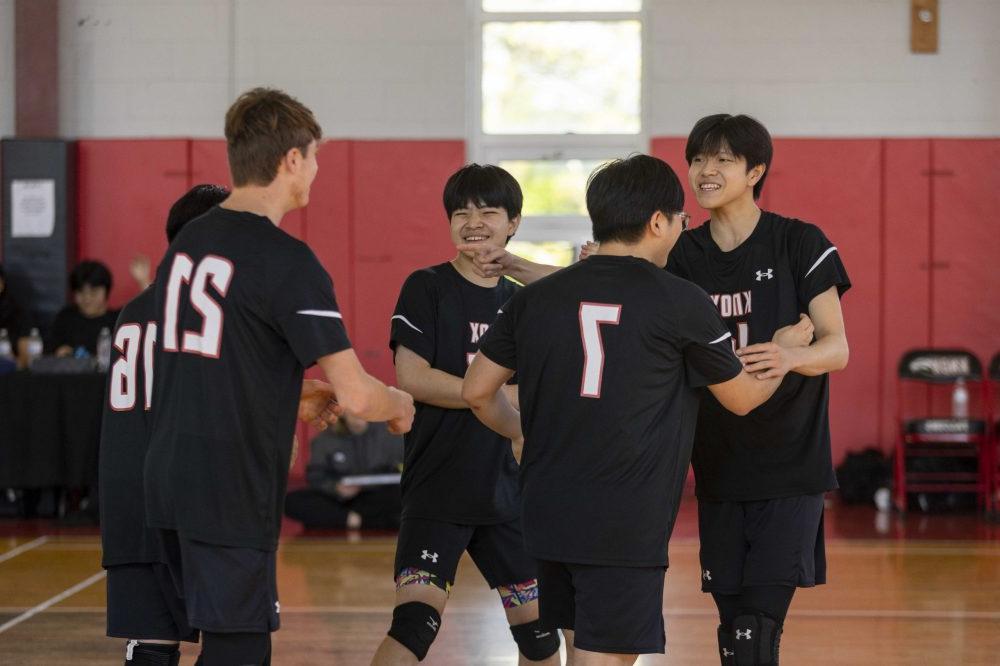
(28, 614)
(24, 547)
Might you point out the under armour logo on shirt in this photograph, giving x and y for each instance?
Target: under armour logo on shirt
(431, 622)
(433, 557)
(743, 634)
(277, 607)
(706, 575)
(769, 274)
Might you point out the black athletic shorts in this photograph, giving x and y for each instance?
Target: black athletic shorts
(610, 609)
(143, 604)
(225, 590)
(768, 542)
(436, 547)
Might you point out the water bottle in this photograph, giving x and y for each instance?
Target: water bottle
(104, 350)
(960, 400)
(35, 346)
(6, 350)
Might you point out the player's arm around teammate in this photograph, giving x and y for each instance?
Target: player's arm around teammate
(828, 353)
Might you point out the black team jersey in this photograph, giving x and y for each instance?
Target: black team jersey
(608, 353)
(243, 309)
(125, 539)
(782, 448)
(455, 469)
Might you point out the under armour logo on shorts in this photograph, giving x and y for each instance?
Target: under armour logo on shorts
(706, 575)
(769, 274)
(277, 607)
(743, 634)
(727, 653)
(433, 557)
(431, 622)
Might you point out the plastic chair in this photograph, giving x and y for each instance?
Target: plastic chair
(943, 411)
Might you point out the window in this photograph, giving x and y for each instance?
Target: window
(558, 91)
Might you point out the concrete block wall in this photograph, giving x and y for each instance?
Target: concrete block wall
(6, 67)
(820, 68)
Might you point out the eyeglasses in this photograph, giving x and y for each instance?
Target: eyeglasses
(685, 219)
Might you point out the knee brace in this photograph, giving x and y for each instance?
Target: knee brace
(151, 654)
(535, 641)
(415, 626)
(755, 640)
(727, 651)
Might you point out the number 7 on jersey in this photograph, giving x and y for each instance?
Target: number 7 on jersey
(592, 315)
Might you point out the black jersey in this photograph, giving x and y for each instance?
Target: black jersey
(243, 309)
(455, 469)
(125, 539)
(607, 353)
(782, 448)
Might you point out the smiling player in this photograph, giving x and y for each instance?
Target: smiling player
(459, 482)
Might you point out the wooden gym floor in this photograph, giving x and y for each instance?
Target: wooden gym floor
(903, 591)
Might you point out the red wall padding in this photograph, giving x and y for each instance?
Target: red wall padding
(912, 219)
(125, 188)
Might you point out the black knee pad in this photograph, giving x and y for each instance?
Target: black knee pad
(535, 641)
(415, 626)
(755, 640)
(727, 651)
(237, 648)
(151, 654)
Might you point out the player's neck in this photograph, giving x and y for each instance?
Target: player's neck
(733, 223)
(265, 201)
(618, 249)
(465, 268)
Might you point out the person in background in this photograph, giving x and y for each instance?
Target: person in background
(15, 321)
(352, 448)
(78, 325)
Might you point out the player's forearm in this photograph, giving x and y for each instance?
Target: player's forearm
(433, 387)
(498, 414)
(828, 354)
(376, 402)
(526, 272)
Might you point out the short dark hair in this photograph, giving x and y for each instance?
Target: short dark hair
(92, 273)
(623, 194)
(196, 202)
(485, 185)
(746, 137)
(261, 126)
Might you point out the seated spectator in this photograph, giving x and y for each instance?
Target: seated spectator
(78, 326)
(15, 321)
(354, 448)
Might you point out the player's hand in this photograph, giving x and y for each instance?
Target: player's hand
(140, 269)
(511, 391)
(589, 248)
(346, 491)
(768, 360)
(402, 423)
(487, 261)
(318, 404)
(517, 446)
(799, 334)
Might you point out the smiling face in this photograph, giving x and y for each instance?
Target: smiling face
(488, 226)
(722, 178)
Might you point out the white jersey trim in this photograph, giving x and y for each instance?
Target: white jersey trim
(718, 340)
(820, 260)
(407, 322)
(332, 314)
